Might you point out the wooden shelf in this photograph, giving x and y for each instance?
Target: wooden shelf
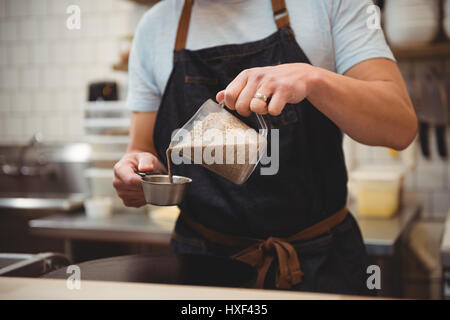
(437, 50)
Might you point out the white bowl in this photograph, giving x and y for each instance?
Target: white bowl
(401, 16)
(406, 4)
(100, 181)
(98, 207)
(411, 22)
(412, 34)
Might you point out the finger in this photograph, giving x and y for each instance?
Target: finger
(258, 105)
(146, 161)
(234, 89)
(276, 104)
(122, 187)
(134, 203)
(126, 185)
(128, 194)
(245, 97)
(125, 173)
(220, 96)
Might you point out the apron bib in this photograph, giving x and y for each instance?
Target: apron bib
(311, 181)
(310, 185)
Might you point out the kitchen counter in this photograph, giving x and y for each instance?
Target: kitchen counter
(380, 235)
(29, 288)
(120, 227)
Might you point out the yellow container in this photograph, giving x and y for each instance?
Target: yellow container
(377, 191)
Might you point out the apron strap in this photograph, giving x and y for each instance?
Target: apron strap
(183, 25)
(280, 15)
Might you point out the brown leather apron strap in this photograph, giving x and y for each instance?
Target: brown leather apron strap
(260, 253)
(280, 15)
(183, 25)
(320, 227)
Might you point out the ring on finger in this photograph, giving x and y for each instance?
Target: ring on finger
(260, 96)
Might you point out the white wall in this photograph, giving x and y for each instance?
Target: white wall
(45, 68)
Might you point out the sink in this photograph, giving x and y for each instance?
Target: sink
(57, 182)
(42, 201)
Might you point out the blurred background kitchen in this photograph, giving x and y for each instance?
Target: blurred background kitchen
(63, 125)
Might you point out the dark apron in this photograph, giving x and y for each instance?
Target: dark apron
(309, 187)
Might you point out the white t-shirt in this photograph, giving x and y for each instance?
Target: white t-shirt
(334, 35)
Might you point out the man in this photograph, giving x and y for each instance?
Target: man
(315, 69)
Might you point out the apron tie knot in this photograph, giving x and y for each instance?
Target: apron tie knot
(260, 253)
(261, 256)
(268, 246)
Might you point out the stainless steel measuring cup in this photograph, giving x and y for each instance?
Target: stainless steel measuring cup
(159, 191)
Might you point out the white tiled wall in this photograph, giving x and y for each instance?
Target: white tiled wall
(45, 68)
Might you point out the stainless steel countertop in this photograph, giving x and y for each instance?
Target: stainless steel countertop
(380, 235)
(120, 227)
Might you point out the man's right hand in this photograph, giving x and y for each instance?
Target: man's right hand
(127, 182)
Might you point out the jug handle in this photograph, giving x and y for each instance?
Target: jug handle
(262, 123)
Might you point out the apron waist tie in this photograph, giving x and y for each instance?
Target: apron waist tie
(260, 253)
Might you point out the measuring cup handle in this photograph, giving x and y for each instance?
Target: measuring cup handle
(143, 174)
(262, 122)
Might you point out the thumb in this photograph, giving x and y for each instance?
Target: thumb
(146, 162)
(220, 96)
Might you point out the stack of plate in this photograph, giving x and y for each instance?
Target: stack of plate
(106, 125)
(411, 23)
(447, 18)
